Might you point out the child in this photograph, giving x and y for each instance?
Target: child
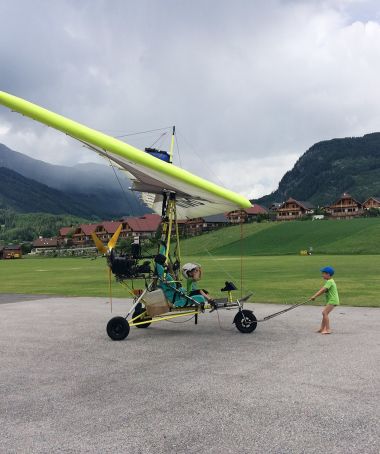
(332, 298)
(193, 273)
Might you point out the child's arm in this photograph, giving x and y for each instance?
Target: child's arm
(319, 293)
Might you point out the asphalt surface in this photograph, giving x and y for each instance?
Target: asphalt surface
(180, 388)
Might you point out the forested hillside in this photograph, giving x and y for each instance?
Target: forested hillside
(16, 227)
(330, 168)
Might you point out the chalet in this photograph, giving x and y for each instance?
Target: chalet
(346, 207)
(144, 226)
(293, 209)
(191, 227)
(12, 251)
(275, 206)
(197, 226)
(372, 202)
(215, 221)
(82, 234)
(246, 215)
(65, 236)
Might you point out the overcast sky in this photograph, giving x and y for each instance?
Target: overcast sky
(250, 85)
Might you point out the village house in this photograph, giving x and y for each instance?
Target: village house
(215, 221)
(44, 244)
(197, 226)
(275, 206)
(190, 227)
(246, 215)
(346, 207)
(293, 209)
(144, 226)
(81, 236)
(372, 202)
(12, 251)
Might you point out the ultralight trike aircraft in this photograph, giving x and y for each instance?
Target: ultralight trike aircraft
(173, 193)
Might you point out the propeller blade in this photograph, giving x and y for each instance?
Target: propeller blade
(112, 242)
(98, 243)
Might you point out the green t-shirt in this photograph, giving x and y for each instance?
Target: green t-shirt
(332, 296)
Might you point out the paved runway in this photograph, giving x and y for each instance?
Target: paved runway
(179, 388)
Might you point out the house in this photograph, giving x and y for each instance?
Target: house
(197, 226)
(372, 202)
(246, 215)
(144, 226)
(293, 209)
(191, 227)
(346, 207)
(215, 221)
(275, 206)
(12, 251)
(82, 234)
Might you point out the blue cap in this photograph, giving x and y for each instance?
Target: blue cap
(328, 269)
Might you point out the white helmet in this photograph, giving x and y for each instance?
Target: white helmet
(188, 267)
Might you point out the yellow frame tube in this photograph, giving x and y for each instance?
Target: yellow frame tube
(159, 319)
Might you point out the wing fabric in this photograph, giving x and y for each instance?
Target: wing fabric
(195, 196)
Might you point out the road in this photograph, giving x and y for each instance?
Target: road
(180, 388)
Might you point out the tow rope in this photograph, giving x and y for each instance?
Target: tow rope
(275, 314)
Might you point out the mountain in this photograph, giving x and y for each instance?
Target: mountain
(28, 196)
(330, 168)
(101, 189)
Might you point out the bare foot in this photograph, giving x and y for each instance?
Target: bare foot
(325, 332)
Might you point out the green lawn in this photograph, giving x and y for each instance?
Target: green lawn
(276, 279)
(357, 236)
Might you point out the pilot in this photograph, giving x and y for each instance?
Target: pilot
(175, 294)
(193, 273)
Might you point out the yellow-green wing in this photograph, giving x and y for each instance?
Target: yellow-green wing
(196, 197)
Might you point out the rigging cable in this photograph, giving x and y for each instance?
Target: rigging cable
(128, 203)
(142, 132)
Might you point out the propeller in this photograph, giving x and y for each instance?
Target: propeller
(111, 243)
(107, 250)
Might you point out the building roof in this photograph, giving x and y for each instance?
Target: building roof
(45, 242)
(256, 209)
(346, 195)
(377, 198)
(146, 223)
(217, 218)
(110, 226)
(303, 204)
(87, 229)
(66, 230)
(12, 247)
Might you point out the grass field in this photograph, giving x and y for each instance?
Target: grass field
(357, 236)
(276, 279)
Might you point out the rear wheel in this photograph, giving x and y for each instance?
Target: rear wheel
(118, 328)
(139, 310)
(245, 321)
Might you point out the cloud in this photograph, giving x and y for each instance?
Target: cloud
(251, 85)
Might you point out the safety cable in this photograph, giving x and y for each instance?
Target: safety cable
(142, 132)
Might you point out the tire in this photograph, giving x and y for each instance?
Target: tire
(245, 321)
(118, 328)
(139, 310)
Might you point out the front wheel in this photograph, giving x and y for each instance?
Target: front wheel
(118, 328)
(245, 321)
